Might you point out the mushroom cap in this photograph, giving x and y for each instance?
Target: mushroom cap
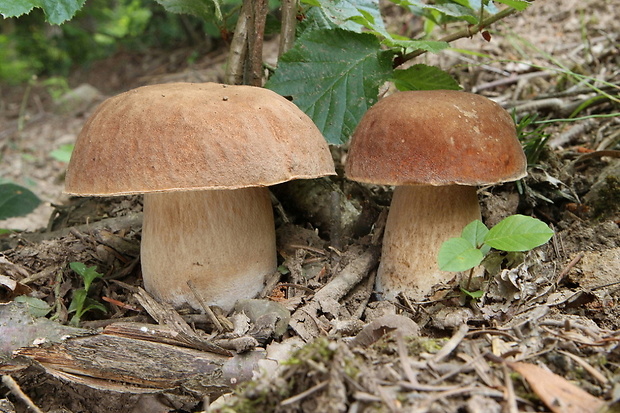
(437, 137)
(194, 136)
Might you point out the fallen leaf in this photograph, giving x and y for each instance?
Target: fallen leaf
(560, 395)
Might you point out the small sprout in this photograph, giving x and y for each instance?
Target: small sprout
(81, 303)
(512, 234)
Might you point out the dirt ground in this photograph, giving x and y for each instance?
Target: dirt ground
(544, 337)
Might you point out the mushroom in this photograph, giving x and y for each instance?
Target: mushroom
(203, 155)
(435, 147)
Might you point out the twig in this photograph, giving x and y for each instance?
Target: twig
(467, 32)
(574, 132)
(587, 367)
(238, 47)
(449, 347)
(568, 267)
(304, 394)
(510, 391)
(205, 307)
(289, 23)
(12, 385)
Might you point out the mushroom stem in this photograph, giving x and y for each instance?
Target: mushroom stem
(223, 241)
(421, 218)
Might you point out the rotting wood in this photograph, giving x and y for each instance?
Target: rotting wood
(118, 363)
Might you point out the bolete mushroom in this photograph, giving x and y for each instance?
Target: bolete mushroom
(203, 154)
(435, 147)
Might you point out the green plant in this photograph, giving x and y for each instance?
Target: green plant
(62, 153)
(81, 303)
(340, 54)
(532, 136)
(512, 234)
(16, 201)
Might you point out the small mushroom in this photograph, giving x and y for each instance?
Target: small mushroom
(203, 154)
(435, 147)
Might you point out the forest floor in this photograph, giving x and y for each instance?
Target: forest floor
(545, 336)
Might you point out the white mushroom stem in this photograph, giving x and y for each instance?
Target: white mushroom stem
(222, 241)
(421, 218)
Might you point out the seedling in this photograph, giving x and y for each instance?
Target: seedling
(81, 303)
(513, 234)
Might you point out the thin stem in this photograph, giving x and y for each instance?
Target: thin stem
(469, 31)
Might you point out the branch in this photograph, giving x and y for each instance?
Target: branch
(467, 32)
(289, 23)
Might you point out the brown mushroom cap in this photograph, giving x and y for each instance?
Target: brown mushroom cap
(184, 136)
(438, 137)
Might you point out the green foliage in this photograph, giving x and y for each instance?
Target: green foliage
(36, 306)
(56, 11)
(514, 233)
(81, 303)
(16, 201)
(333, 76)
(343, 53)
(423, 77)
(63, 153)
(532, 136)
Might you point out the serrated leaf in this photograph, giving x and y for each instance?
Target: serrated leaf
(208, 10)
(423, 77)
(16, 201)
(334, 77)
(475, 232)
(458, 254)
(352, 15)
(56, 11)
(518, 233)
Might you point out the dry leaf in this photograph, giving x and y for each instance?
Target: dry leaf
(560, 395)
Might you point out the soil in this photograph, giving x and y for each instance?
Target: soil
(544, 337)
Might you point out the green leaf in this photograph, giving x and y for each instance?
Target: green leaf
(352, 15)
(56, 11)
(36, 306)
(334, 77)
(473, 294)
(519, 5)
(475, 232)
(208, 10)
(423, 77)
(63, 153)
(518, 233)
(458, 254)
(16, 201)
(88, 274)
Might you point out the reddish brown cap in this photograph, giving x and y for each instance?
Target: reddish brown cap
(184, 136)
(438, 137)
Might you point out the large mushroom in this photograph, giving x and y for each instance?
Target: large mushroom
(203, 154)
(436, 147)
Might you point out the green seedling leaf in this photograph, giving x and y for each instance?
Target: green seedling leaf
(36, 306)
(475, 232)
(423, 77)
(88, 274)
(476, 295)
(56, 11)
(518, 233)
(458, 254)
(334, 77)
(16, 201)
(63, 153)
